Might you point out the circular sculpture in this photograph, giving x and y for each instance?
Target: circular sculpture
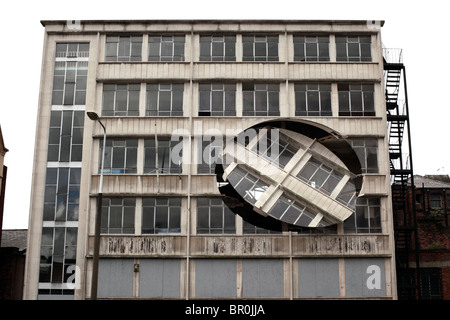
(289, 172)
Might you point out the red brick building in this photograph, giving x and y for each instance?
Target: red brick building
(431, 250)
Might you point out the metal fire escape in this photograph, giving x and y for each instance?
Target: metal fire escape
(402, 175)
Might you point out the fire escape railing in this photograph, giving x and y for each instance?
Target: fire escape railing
(402, 175)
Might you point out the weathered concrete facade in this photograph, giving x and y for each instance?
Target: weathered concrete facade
(354, 262)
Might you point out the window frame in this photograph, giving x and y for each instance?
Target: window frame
(207, 46)
(321, 170)
(260, 96)
(165, 146)
(252, 44)
(174, 43)
(240, 176)
(209, 146)
(131, 100)
(174, 211)
(304, 43)
(62, 194)
(367, 152)
(346, 44)
(69, 83)
(227, 224)
(134, 43)
(57, 253)
(212, 96)
(356, 100)
(176, 100)
(366, 221)
(435, 201)
(113, 156)
(127, 207)
(324, 100)
(65, 141)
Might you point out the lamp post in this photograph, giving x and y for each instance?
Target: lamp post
(98, 217)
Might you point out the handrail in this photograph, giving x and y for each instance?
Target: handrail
(393, 55)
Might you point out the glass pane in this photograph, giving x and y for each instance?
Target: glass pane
(115, 217)
(124, 46)
(279, 208)
(161, 218)
(313, 101)
(69, 93)
(111, 49)
(356, 100)
(118, 161)
(174, 219)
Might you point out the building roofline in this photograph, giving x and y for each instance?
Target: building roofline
(200, 21)
(430, 182)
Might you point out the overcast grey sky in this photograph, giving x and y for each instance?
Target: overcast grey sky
(420, 28)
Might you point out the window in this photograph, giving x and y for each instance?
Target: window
(72, 50)
(120, 156)
(62, 193)
(435, 201)
(118, 215)
(292, 212)
(161, 215)
(313, 100)
(247, 185)
(208, 155)
(260, 48)
(217, 48)
(367, 152)
(162, 156)
(367, 217)
(58, 253)
(69, 83)
(214, 217)
(274, 148)
(430, 284)
(165, 100)
(347, 196)
(121, 100)
(166, 48)
(65, 141)
(356, 100)
(354, 48)
(217, 100)
(311, 48)
(320, 176)
(261, 99)
(123, 48)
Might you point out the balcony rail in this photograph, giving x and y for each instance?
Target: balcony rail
(393, 55)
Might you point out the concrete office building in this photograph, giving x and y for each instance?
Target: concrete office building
(244, 160)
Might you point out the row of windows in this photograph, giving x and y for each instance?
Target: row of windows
(62, 185)
(219, 99)
(163, 155)
(215, 99)
(433, 200)
(169, 48)
(163, 215)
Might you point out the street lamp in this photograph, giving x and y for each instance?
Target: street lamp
(98, 217)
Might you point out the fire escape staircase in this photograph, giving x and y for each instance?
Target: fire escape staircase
(401, 175)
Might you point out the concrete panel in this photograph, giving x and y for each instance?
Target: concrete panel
(262, 278)
(215, 278)
(318, 278)
(115, 278)
(159, 278)
(365, 277)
